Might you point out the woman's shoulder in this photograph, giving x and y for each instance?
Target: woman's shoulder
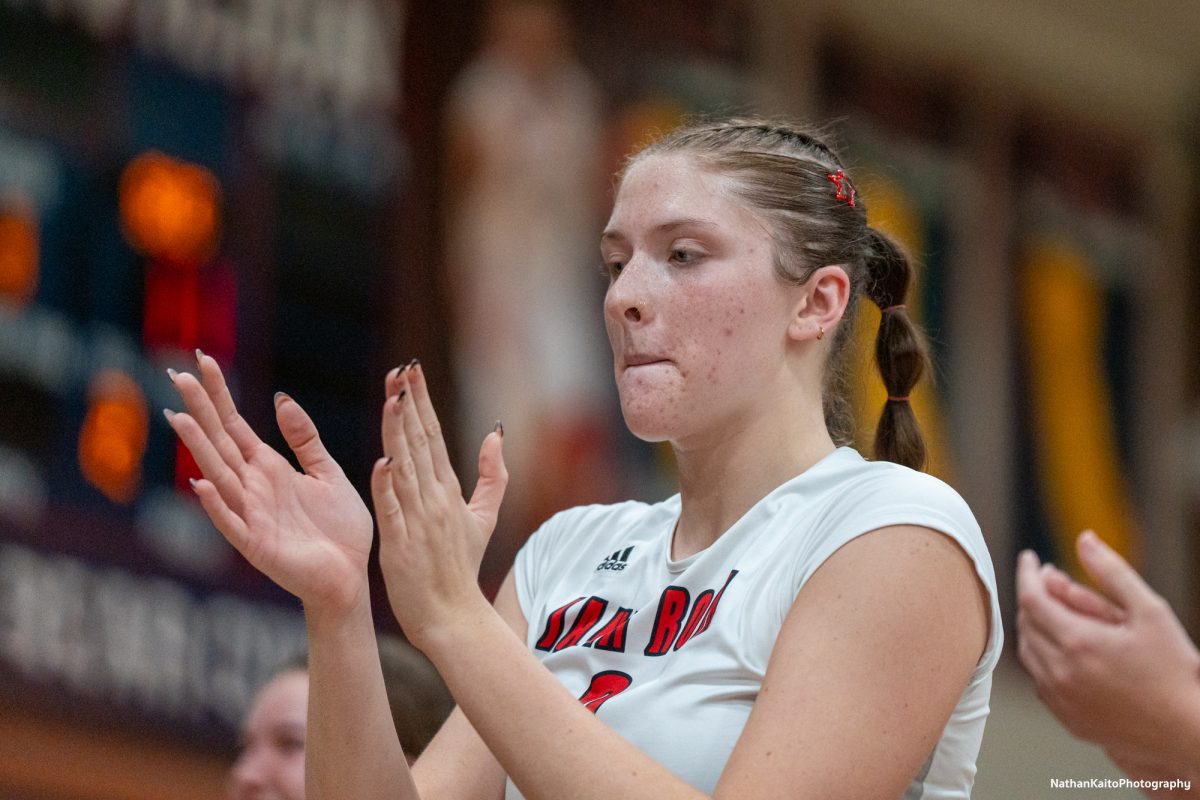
(852, 479)
(846, 496)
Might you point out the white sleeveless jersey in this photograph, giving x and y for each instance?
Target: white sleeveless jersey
(671, 654)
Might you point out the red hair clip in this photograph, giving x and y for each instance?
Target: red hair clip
(845, 189)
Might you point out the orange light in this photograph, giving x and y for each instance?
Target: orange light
(18, 255)
(112, 441)
(170, 208)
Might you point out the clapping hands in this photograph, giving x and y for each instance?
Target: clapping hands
(431, 539)
(1116, 668)
(308, 531)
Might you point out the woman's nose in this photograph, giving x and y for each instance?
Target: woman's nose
(628, 294)
(247, 774)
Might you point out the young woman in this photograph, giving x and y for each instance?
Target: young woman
(796, 622)
(270, 763)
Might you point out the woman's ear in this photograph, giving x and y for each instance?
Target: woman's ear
(820, 307)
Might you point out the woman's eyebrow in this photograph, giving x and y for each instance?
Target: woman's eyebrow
(291, 727)
(665, 227)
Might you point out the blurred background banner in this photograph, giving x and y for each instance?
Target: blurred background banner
(173, 176)
(314, 191)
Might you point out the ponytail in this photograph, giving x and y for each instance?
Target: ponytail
(900, 352)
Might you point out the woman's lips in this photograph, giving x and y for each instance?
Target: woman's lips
(639, 360)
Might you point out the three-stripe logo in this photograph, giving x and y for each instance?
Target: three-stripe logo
(618, 561)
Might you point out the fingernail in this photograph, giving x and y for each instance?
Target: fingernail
(413, 364)
(171, 374)
(388, 462)
(280, 397)
(193, 482)
(499, 428)
(199, 355)
(394, 373)
(398, 408)
(169, 414)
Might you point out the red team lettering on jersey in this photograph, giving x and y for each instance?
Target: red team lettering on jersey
(677, 620)
(605, 685)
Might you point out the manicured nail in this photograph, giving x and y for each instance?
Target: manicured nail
(499, 428)
(398, 408)
(394, 373)
(388, 462)
(199, 355)
(280, 397)
(171, 374)
(193, 483)
(413, 364)
(169, 414)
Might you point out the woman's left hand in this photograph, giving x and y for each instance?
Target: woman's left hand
(431, 539)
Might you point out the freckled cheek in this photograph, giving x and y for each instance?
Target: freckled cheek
(614, 334)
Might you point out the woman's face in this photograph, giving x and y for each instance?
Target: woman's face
(696, 316)
(271, 764)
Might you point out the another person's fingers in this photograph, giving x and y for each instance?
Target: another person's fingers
(1080, 598)
(1112, 574)
(1048, 615)
(301, 436)
(1033, 649)
(212, 465)
(429, 421)
(213, 380)
(1029, 577)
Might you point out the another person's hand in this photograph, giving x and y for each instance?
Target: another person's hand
(1118, 670)
(308, 531)
(431, 539)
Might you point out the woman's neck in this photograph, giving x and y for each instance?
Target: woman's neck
(722, 480)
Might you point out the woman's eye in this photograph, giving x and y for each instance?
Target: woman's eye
(682, 256)
(612, 268)
(290, 744)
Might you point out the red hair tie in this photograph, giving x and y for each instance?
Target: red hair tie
(845, 189)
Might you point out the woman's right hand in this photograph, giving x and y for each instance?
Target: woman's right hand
(308, 531)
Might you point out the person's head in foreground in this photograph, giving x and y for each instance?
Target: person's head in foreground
(776, 203)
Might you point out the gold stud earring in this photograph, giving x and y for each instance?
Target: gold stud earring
(820, 332)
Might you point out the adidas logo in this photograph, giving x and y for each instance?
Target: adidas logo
(617, 561)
